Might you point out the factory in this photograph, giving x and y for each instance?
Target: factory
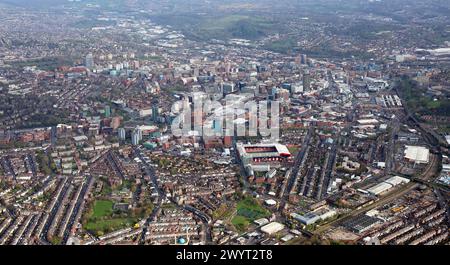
(417, 154)
(315, 216)
(272, 228)
(386, 185)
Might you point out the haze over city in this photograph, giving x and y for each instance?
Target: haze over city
(231, 122)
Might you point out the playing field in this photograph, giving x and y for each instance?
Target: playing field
(101, 220)
(109, 225)
(248, 210)
(102, 208)
(240, 222)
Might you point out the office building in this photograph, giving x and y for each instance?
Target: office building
(89, 63)
(306, 81)
(122, 134)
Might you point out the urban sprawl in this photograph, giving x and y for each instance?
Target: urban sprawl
(89, 96)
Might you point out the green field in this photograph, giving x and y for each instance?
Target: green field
(241, 223)
(101, 220)
(102, 208)
(100, 227)
(248, 210)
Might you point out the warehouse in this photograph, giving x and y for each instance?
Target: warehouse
(396, 180)
(307, 219)
(417, 154)
(380, 188)
(313, 217)
(387, 185)
(272, 228)
(361, 223)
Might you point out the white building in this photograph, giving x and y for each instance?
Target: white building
(386, 185)
(272, 228)
(417, 154)
(270, 202)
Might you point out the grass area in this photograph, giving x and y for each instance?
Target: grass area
(223, 212)
(433, 104)
(101, 219)
(102, 208)
(293, 149)
(101, 227)
(248, 210)
(240, 222)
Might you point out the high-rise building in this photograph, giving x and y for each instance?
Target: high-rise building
(139, 133)
(89, 61)
(135, 137)
(107, 111)
(155, 112)
(304, 59)
(306, 81)
(228, 88)
(122, 134)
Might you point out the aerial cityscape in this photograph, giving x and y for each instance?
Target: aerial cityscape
(224, 122)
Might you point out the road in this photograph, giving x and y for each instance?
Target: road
(149, 170)
(162, 196)
(296, 167)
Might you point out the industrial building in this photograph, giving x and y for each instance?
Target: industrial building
(307, 219)
(272, 228)
(417, 154)
(361, 223)
(313, 217)
(386, 185)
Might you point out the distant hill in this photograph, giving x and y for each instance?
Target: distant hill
(220, 27)
(56, 3)
(33, 3)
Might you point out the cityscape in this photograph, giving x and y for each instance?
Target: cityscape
(224, 122)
